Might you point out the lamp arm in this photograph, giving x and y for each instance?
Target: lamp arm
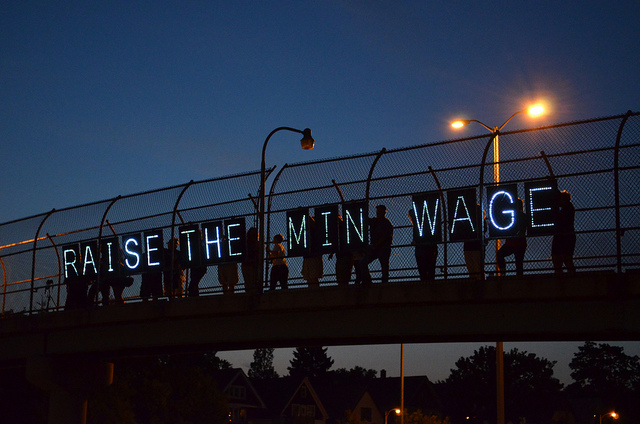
(484, 125)
(510, 118)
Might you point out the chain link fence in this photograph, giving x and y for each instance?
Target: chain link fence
(597, 161)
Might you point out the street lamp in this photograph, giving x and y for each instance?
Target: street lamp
(307, 143)
(397, 411)
(609, 414)
(534, 110)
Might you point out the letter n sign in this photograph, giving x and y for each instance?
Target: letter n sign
(427, 212)
(464, 216)
(355, 225)
(541, 198)
(503, 215)
(298, 233)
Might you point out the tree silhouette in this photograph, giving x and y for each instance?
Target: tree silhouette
(310, 362)
(530, 388)
(606, 372)
(262, 365)
(162, 389)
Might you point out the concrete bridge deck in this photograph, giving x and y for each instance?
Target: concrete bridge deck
(589, 306)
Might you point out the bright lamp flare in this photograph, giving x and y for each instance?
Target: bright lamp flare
(536, 110)
(457, 124)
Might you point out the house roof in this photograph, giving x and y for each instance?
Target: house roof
(236, 376)
(275, 392)
(337, 394)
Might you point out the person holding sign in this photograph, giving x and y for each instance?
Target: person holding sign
(173, 270)
(279, 267)
(564, 238)
(517, 245)
(381, 232)
(426, 252)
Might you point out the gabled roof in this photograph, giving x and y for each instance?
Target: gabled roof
(275, 392)
(310, 390)
(236, 377)
(336, 394)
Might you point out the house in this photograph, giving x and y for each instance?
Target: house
(337, 399)
(245, 403)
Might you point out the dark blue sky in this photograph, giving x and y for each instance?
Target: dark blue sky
(105, 98)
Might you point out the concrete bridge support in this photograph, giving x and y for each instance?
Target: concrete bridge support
(70, 380)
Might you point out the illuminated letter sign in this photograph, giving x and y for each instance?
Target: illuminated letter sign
(154, 250)
(213, 239)
(541, 202)
(427, 213)
(298, 232)
(236, 239)
(109, 257)
(463, 215)
(190, 245)
(355, 222)
(89, 259)
(325, 235)
(71, 258)
(132, 252)
(502, 214)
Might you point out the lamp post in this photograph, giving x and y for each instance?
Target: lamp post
(609, 414)
(397, 411)
(307, 143)
(535, 110)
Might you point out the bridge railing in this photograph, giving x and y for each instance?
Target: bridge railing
(597, 161)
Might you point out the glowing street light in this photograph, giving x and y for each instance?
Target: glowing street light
(533, 110)
(612, 414)
(307, 143)
(397, 411)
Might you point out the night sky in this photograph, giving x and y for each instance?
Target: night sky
(100, 99)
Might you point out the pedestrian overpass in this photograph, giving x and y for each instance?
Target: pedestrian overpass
(68, 350)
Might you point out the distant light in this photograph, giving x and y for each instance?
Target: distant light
(614, 415)
(536, 110)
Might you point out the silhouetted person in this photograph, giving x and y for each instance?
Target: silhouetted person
(117, 283)
(196, 274)
(344, 261)
(564, 237)
(517, 245)
(173, 272)
(312, 268)
(151, 285)
(426, 252)
(474, 249)
(250, 265)
(381, 237)
(77, 288)
(228, 277)
(279, 267)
